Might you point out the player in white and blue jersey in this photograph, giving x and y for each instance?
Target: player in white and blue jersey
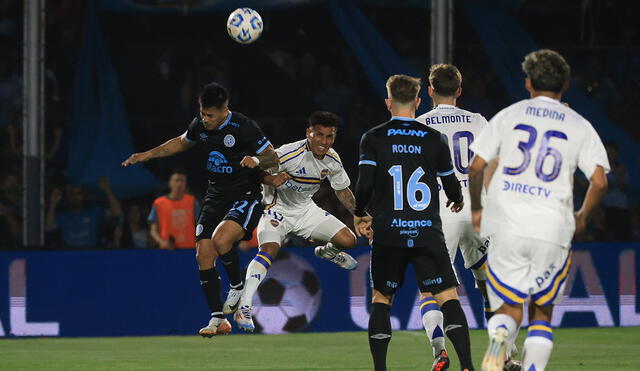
(458, 128)
(529, 205)
(289, 208)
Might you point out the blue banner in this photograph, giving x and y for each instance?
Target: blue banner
(153, 292)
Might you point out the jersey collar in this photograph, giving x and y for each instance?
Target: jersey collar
(542, 97)
(447, 106)
(226, 122)
(400, 118)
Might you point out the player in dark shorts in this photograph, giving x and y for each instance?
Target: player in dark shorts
(399, 162)
(237, 151)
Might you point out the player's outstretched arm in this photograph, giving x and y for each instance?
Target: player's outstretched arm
(266, 159)
(476, 175)
(168, 148)
(597, 189)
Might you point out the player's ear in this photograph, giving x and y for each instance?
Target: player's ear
(387, 102)
(431, 91)
(565, 86)
(418, 101)
(458, 92)
(308, 131)
(527, 85)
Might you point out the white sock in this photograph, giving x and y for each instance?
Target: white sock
(538, 346)
(256, 272)
(503, 320)
(432, 320)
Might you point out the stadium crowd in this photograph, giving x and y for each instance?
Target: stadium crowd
(161, 69)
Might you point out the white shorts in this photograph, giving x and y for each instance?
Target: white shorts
(472, 246)
(310, 223)
(519, 267)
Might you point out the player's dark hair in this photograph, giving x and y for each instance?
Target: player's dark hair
(547, 70)
(179, 171)
(325, 119)
(213, 95)
(445, 79)
(403, 89)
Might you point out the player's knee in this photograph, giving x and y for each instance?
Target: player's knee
(205, 254)
(345, 239)
(221, 244)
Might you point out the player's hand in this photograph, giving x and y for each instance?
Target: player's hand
(137, 157)
(456, 206)
(476, 219)
(581, 222)
(276, 180)
(249, 162)
(362, 225)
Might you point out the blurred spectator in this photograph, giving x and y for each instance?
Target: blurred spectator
(173, 217)
(598, 87)
(615, 202)
(135, 232)
(11, 210)
(334, 96)
(81, 226)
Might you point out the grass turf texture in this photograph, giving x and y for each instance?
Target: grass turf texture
(575, 349)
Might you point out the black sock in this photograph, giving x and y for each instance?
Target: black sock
(457, 330)
(210, 282)
(379, 334)
(231, 263)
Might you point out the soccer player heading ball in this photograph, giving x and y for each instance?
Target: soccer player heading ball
(237, 151)
(539, 142)
(303, 166)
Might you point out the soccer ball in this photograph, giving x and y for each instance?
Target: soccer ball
(289, 298)
(244, 25)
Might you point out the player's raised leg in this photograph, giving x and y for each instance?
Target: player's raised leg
(333, 251)
(231, 263)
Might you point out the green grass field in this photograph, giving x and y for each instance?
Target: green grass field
(575, 349)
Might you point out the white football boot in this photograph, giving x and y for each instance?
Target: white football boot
(496, 355)
(243, 318)
(335, 255)
(216, 326)
(231, 304)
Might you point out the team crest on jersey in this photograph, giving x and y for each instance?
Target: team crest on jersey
(203, 136)
(324, 173)
(229, 140)
(274, 223)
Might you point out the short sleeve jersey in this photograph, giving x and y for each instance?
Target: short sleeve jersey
(307, 173)
(237, 137)
(408, 157)
(539, 143)
(459, 128)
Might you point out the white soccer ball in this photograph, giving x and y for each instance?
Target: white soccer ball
(289, 298)
(244, 25)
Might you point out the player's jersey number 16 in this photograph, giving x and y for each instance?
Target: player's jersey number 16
(414, 186)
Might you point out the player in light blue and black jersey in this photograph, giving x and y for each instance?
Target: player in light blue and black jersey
(237, 149)
(400, 161)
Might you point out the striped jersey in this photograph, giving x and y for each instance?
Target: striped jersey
(459, 128)
(539, 142)
(307, 172)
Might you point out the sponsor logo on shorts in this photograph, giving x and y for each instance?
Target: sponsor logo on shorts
(540, 280)
(434, 281)
(274, 223)
(229, 140)
(199, 229)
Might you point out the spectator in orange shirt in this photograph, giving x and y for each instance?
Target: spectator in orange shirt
(173, 216)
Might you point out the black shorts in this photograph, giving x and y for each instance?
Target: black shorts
(245, 210)
(433, 269)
